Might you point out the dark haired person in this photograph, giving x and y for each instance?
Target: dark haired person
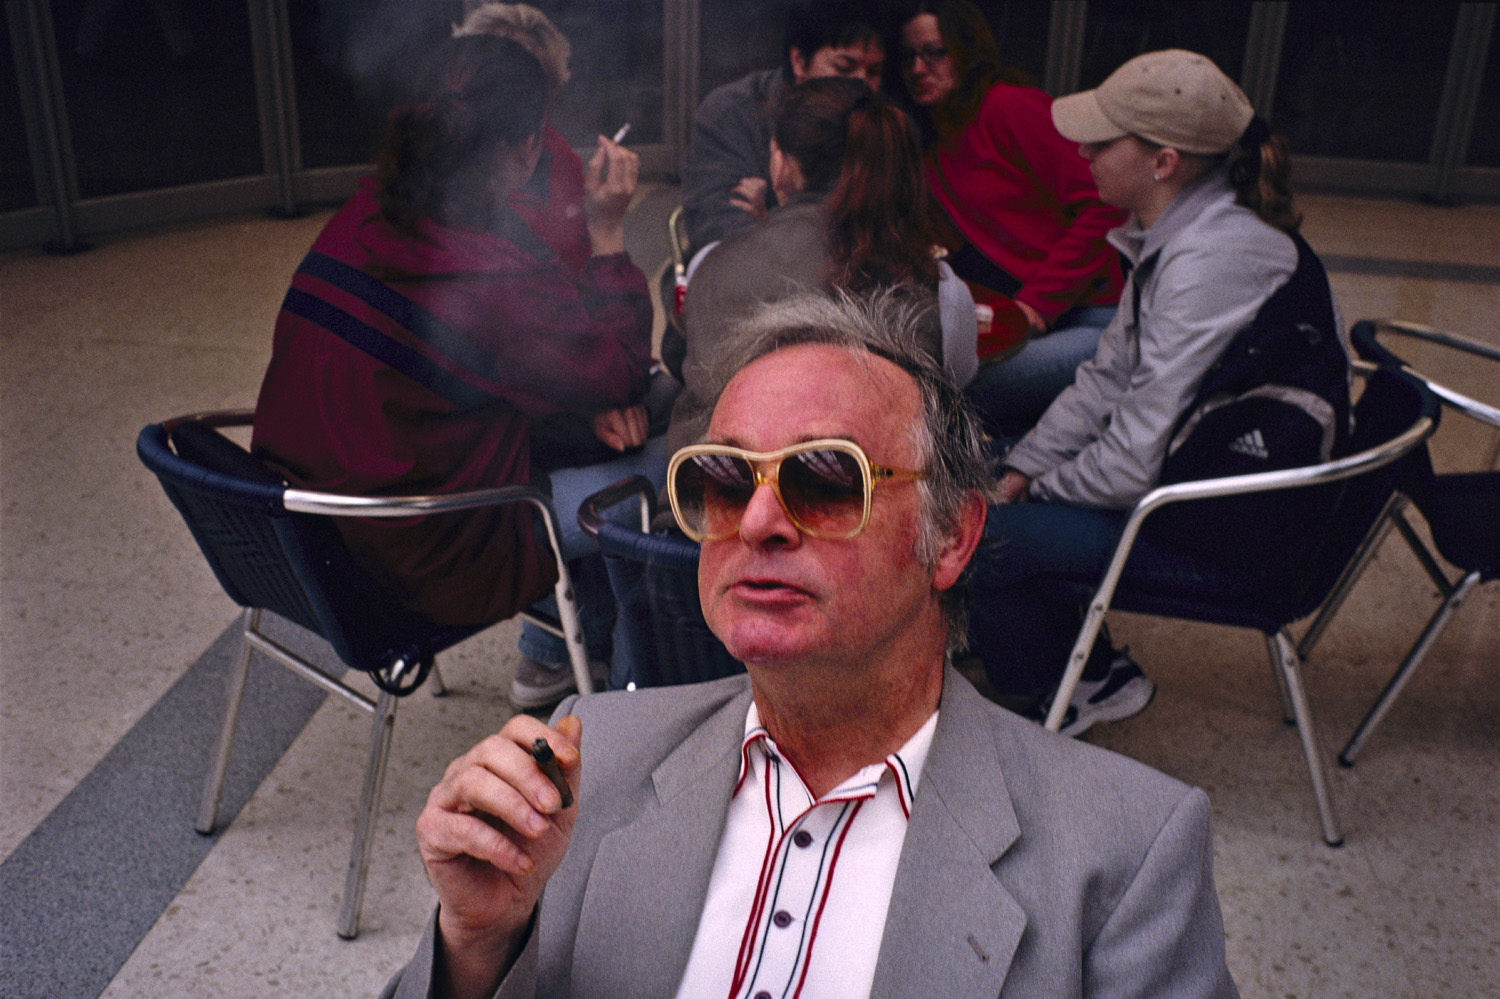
(726, 180)
(478, 329)
(1025, 222)
(841, 158)
(1173, 141)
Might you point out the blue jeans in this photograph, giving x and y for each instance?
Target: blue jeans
(1013, 394)
(1022, 636)
(596, 601)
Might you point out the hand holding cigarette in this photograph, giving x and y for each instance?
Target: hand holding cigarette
(493, 831)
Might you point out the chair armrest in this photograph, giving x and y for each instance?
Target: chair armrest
(590, 511)
(1364, 338)
(1291, 478)
(340, 505)
(213, 418)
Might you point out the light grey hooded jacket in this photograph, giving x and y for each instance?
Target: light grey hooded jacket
(1102, 441)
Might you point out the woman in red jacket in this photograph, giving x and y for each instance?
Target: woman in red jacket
(1026, 225)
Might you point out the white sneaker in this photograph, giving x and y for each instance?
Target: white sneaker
(1124, 692)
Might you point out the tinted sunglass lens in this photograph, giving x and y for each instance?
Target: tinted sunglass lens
(824, 488)
(713, 490)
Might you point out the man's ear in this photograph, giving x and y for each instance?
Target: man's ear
(799, 63)
(960, 545)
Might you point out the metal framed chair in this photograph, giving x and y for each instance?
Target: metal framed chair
(273, 547)
(661, 638)
(1395, 414)
(1462, 510)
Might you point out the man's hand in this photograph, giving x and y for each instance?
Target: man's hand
(492, 833)
(622, 429)
(1012, 488)
(749, 196)
(608, 187)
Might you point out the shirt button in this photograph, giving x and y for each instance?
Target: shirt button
(803, 838)
(762, 995)
(782, 919)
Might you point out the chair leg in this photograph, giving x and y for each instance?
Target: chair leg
(1290, 666)
(1351, 575)
(1409, 665)
(1288, 711)
(364, 824)
(1077, 659)
(572, 630)
(435, 682)
(234, 696)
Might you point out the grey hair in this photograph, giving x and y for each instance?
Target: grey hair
(948, 440)
(527, 27)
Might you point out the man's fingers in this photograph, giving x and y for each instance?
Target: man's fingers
(444, 836)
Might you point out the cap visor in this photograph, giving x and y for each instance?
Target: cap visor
(1079, 118)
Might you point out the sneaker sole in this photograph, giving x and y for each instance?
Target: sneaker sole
(1130, 700)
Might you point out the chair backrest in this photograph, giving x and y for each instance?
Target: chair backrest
(1462, 509)
(1392, 401)
(662, 638)
(295, 565)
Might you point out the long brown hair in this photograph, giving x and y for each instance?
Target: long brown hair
(976, 59)
(438, 156)
(859, 148)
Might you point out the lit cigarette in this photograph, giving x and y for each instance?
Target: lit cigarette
(542, 753)
(620, 135)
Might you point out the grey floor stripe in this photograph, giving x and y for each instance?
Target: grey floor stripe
(1419, 270)
(80, 892)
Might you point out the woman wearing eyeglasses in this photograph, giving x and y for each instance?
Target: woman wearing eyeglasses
(1025, 224)
(848, 182)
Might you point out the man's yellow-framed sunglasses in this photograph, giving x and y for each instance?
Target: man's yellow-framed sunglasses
(825, 486)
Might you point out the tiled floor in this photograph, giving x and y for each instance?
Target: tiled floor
(106, 602)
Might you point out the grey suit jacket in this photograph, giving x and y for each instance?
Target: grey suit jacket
(1033, 865)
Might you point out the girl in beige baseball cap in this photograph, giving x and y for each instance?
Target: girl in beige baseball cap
(1172, 140)
(1185, 117)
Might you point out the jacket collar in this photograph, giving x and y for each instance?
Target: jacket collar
(952, 925)
(661, 863)
(1138, 243)
(962, 822)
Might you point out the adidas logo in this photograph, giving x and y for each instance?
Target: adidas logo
(1252, 444)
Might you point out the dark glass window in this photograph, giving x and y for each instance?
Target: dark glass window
(1021, 34)
(617, 69)
(1364, 80)
(159, 93)
(353, 60)
(736, 37)
(17, 182)
(1484, 146)
(1118, 30)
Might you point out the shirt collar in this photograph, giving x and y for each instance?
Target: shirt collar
(904, 766)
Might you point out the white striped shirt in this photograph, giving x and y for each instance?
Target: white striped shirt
(797, 901)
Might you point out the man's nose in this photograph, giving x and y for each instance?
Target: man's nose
(765, 519)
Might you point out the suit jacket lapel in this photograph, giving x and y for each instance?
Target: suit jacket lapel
(952, 925)
(649, 879)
